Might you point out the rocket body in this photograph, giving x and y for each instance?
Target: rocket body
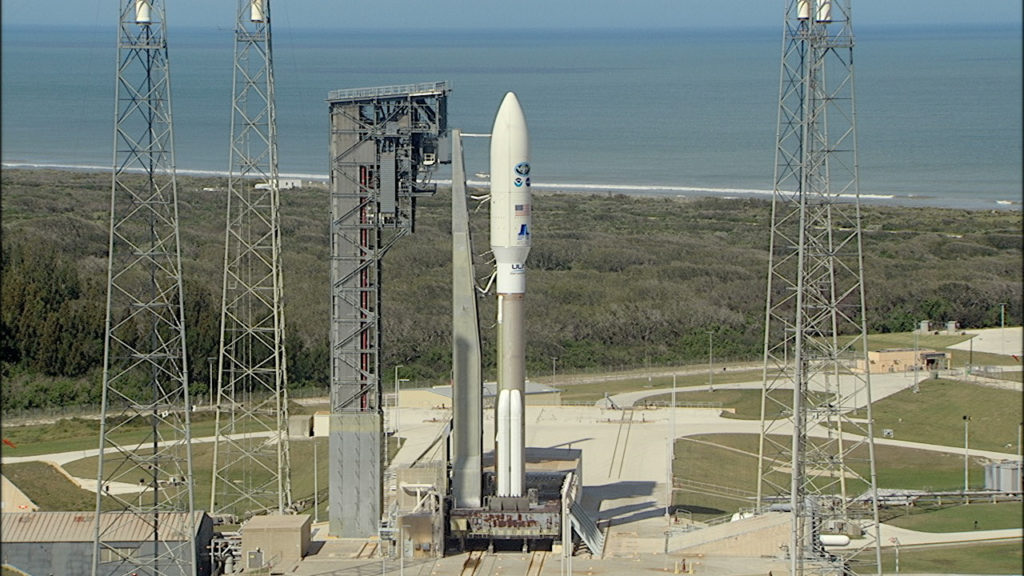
(511, 229)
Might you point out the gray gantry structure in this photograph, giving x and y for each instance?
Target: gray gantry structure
(384, 143)
(145, 464)
(816, 447)
(251, 458)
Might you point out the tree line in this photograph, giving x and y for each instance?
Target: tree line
(614, 281)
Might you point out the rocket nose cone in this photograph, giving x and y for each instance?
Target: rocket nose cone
(510, 99)
(510, 113)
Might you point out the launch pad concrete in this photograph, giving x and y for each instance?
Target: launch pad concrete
(625, 458)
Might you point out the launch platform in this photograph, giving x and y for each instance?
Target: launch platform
(538, 516)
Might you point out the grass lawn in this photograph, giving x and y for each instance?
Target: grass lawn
(300, 453)
(594, 391)
(302, 482)
(73, 434)
(1004, 558)
(739, 404)
(935, 415)
(961, 518)
(48, 488)
(728, 463)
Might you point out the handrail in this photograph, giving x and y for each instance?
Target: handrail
(381, 91)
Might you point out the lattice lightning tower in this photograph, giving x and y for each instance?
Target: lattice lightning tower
(145, 418)
(251, 460)
(816, 448)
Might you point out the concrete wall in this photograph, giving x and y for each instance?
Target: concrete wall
(283, 540)
(766, 535)
(12, 499)
(422, 398)
(429, 398)
(544, 399)
(899, 360)
(321, 424)
(413, 481)
(420, 536)
(300, 426)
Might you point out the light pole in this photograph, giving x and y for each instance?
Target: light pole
(401, 554)
(967, 422)
(671, 457)
(209, 362)
(553, 360)
(1002, 327)
(970, 354)
(316, 491)
(711, 378)
(917, 357)
(394, 407)
(896, 543)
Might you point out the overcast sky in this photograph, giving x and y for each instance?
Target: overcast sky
(507, 15)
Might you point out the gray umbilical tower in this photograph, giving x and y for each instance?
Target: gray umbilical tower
(816, 401)
(145, 463)
(251, 458)
(385, 142)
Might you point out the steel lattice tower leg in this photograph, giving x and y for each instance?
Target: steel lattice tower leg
(145, 463)
(816, 400)
(251, 461)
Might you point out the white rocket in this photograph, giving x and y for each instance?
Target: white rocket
(511, 228)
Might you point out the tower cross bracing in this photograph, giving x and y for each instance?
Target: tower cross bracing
(145, 428)
(816, 450)
(251, 469)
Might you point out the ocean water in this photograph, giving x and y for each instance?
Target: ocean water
(666, 112)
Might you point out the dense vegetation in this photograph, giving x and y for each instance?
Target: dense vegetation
(615, 281)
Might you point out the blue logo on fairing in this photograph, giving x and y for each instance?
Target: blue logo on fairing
(523, 168)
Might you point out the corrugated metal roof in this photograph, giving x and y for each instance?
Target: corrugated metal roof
(276, 521)
(81, 526)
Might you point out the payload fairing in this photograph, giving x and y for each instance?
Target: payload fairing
(511, 228)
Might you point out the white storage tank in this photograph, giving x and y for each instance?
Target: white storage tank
(1003, 476)
(834, 539)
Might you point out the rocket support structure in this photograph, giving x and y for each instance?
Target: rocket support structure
(467, 382)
